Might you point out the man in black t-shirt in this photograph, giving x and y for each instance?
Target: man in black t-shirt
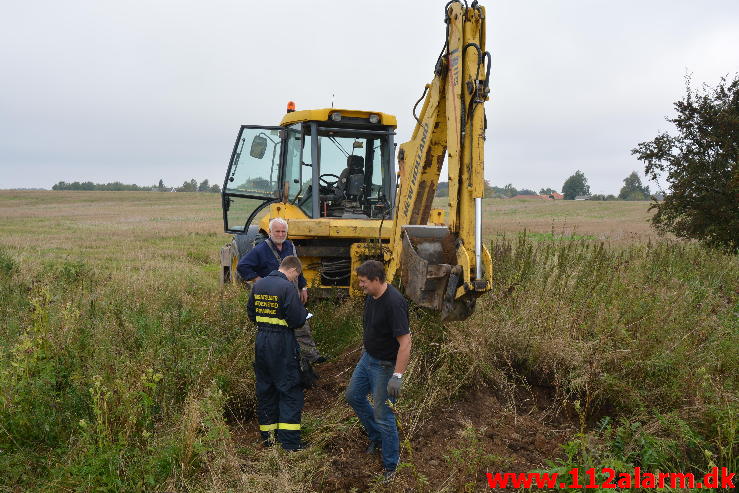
(387, 349)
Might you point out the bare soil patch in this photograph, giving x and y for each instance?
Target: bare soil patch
(477, 425)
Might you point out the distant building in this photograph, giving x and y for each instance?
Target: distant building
(552, 196)
(582, 197)
(525, 196)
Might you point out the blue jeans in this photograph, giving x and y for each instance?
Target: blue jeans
(371, 376)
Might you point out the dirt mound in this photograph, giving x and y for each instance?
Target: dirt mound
(452, 449)
(478, 434)
(460, 443)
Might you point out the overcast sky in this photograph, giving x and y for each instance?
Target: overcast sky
(140, 90)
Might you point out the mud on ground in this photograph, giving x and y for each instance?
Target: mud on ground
(453, 448)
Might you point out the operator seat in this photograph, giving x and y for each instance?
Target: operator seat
(351, 180)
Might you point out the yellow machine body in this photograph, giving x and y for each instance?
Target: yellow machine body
(373, 208)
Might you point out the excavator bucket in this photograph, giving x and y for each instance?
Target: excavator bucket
(429, 271)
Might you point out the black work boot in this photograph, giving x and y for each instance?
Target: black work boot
(387, 476)
(268, 439)
(301, 446)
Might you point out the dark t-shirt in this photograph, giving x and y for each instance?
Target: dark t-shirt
(385, 318)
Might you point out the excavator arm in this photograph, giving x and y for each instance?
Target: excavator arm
(446, 268)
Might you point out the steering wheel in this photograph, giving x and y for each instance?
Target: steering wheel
(327, 183)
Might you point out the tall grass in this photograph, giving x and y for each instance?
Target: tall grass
(639, 345)
(125, 380)
(103, 375)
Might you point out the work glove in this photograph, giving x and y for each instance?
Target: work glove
(393, 387)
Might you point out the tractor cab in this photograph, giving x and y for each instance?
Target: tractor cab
(329, 163)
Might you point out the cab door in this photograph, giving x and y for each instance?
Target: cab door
(253, 176)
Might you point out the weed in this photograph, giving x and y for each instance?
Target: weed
(120, 357)
(471, 459)
(7, 264)
(558, 237)
(337, 327)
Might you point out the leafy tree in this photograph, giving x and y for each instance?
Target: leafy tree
(189, 186)
(509, 191)
(161, 185)
(526, 191)
(258, 183)
(633, 189)
(575, 185)
(442, 190)
(204, 186)
(700, 165)
(215, 188)
(547, 191)
(600, 196)
(493, 191)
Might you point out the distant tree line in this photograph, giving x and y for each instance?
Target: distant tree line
(116, 186)
(492, 191)
(192, 186)
(576, 186)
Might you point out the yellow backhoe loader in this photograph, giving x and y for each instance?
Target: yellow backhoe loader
(331, 174)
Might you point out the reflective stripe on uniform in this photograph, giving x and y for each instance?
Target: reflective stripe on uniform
(271, 320)
(288, 426)
(268, 427)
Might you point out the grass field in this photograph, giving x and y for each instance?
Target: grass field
(124, 367)
(611, 222)
(75, 222)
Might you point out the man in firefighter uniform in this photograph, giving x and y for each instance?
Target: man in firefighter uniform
(276, 309)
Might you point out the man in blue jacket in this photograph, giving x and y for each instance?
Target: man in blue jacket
(265, 258)
(276, 309)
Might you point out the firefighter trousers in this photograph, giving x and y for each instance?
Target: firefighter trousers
(279, 392)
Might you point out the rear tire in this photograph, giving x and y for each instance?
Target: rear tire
(240, 245)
